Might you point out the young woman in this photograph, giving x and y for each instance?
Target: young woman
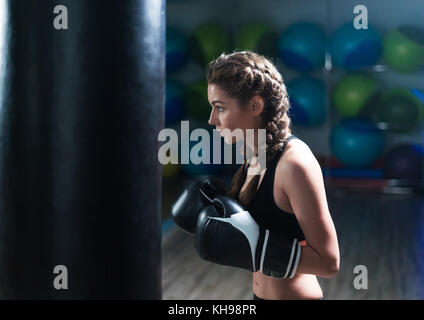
(287, 196)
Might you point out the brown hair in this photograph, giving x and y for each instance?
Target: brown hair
(244, 75)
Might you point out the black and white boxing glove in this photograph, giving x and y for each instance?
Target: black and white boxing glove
(227, 234)
(193, 199)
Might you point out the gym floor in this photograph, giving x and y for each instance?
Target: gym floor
(383, 232)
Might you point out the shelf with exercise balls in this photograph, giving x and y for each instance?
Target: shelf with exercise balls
(355, 141)
(302, 46)
(357, 94)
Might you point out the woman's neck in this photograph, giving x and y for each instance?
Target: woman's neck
(255, 153)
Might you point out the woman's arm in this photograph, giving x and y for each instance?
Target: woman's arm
(299, 177)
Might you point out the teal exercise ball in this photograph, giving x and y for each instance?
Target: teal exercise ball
(302, 46)
(307, 101)
(353, 48)
(356, 143)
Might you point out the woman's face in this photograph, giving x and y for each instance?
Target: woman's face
(226, 113)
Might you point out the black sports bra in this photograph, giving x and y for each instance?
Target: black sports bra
(264, 210)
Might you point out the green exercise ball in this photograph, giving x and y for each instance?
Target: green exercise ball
(258, 37)
(404, 48)
(208, 42)
(401, 110)
(352, 93)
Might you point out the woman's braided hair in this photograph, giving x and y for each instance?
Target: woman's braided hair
(244, 75)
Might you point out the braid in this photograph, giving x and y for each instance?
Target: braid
(245, 75)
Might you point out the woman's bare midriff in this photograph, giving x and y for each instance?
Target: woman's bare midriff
(301, 286)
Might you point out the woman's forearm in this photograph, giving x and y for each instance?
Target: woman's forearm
(312, 263)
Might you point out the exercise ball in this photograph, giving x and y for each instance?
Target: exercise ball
(401, 110)
(356, 143)
(352, 93)
(404, 48)
(176, 49)
(258, 37)
(404, 161)
(352, 48)
(302, 46)
(208, 42)
(307, 101)
(197, 103)
(174, 104)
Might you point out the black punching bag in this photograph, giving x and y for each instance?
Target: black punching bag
(80, 181)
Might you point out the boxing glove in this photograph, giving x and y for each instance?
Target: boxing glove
(227, 234)
(193, 199)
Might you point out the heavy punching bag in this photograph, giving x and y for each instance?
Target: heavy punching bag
(82, 103)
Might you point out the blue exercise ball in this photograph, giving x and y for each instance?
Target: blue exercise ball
(176, 49)
(307, 101)
(356, 143)
(352, 48)
(302, 46)
(174, 102)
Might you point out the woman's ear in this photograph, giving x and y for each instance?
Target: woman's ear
(256, 105)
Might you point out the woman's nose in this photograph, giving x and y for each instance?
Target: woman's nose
(212, 118)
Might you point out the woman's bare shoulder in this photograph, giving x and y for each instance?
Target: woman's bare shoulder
(297, 152)
(297, 160)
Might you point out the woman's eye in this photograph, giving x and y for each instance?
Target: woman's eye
(220, 109)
